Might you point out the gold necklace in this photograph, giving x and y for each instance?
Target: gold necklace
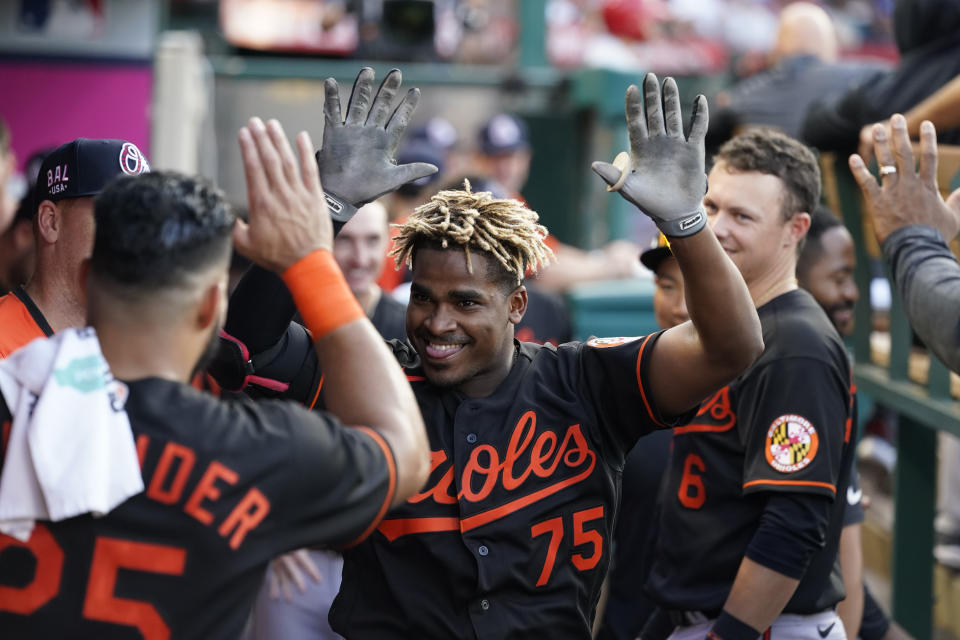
(765, 297)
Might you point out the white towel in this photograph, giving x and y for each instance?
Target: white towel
(71, 449)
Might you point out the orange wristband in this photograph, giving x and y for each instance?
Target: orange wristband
(321, 294)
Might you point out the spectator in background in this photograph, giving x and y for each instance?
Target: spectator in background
(804, 68)
(928, 37)
(505, 155)
(441, 136)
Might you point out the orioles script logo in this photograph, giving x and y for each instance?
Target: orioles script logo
(528, 454)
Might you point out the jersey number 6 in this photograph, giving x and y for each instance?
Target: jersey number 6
(554, 526)
(692, 493)
(109, 556)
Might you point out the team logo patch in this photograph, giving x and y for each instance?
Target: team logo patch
(132, 161)
(792, 443)
(601, 343)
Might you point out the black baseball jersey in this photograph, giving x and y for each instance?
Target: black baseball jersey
(783, 425)
(546, 319)
(228, 486)
(510, 536)
(511, 533)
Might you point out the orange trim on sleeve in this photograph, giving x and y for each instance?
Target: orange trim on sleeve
(316, 396)
(794, 483)
(391, 488)
(643, 394)
(703, 428)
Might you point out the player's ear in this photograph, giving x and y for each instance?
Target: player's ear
(48, 222)
(212, 304)
(797, 227)
(517, 304)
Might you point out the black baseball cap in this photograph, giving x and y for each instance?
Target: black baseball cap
(84, 167)
(657, 253)
(504, 133)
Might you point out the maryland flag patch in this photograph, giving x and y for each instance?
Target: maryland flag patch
(792, 443)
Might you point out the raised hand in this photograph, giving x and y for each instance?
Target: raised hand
(665, 175)
(288, 215)
(905, 195)
(356, 160)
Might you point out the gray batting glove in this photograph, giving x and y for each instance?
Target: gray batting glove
(664, 174)
(356, 158)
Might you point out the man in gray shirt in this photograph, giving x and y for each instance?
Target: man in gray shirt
(913, 225)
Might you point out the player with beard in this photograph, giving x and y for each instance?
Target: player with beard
(825, 268)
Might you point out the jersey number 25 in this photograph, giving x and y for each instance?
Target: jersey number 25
(109, 556)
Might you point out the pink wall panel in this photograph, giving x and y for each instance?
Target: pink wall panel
(46, 104)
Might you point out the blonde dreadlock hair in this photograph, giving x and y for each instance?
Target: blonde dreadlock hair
(504, 228)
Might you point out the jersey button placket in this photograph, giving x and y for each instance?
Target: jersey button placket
(483, 550)
(485, 604)
(472, 438)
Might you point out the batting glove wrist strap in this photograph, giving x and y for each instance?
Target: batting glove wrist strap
(357, 157)
(664, 172)
(340, 210)
(684, 225)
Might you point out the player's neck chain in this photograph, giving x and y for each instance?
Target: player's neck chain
(774, 290)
